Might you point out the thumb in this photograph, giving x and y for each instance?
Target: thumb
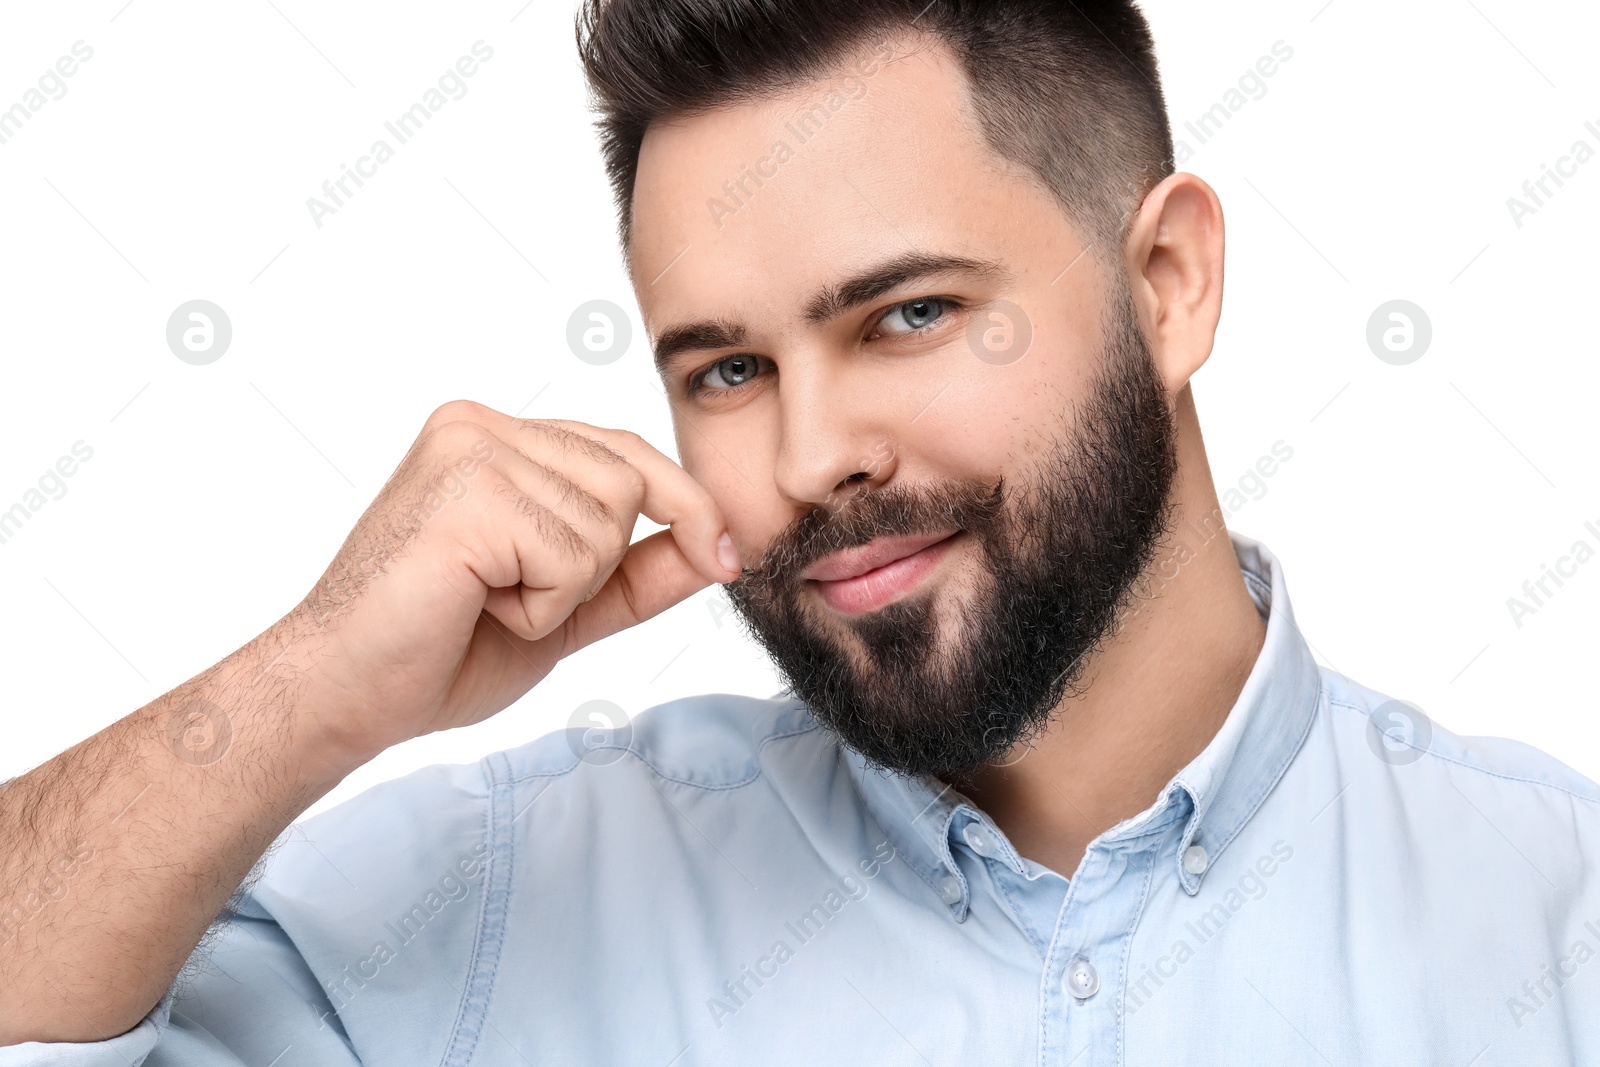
(652, 575)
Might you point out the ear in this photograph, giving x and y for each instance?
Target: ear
(1174, 255)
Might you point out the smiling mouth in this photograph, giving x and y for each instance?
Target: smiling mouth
(886, 569)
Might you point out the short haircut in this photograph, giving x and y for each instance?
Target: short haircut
(1068, 90)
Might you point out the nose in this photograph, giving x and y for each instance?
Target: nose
(834, 440)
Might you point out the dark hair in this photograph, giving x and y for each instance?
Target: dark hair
(1069, 90)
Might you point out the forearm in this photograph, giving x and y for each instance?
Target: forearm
(497, 547)
(116, 855)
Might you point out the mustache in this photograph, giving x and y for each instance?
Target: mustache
(869, 513)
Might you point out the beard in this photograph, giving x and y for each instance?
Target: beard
(940, 686)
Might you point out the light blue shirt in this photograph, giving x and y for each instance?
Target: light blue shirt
(1333, 880)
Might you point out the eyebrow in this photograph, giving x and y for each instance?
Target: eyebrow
(829, 302)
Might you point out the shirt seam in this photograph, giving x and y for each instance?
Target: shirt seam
(1152, 858)
(663, 775)
(477, 989)
(1018, 914)
(1474, 767)
(1261, 585)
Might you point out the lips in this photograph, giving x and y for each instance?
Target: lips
(879, 552)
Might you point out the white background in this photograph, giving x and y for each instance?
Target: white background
(177, 166)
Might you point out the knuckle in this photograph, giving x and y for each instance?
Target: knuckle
(631, 482)
(454, 437)
(539, 621)
(614, 544)
(455, 411)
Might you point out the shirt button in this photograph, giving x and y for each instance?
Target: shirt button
(977, 840)
(1195, 860)
(1082, 980)
(949, 890)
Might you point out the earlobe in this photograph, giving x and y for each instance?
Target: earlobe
(1175, 266)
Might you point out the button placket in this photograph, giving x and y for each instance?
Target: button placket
(1084, 987)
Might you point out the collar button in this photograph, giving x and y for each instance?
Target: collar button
(949, 889)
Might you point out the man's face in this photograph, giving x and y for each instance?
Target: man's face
(925, 409)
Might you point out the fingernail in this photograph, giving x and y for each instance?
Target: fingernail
(727, 555)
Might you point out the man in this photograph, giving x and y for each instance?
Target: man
(1058, 781)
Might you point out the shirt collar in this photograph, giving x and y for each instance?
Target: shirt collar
(1221, 787)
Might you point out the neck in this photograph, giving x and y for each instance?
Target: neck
(1153, 695)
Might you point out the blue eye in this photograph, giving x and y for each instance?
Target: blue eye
(729, 372)
(915, 314)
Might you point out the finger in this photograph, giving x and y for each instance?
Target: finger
(534, 566)
(581, 457)
(605, 528)
(526, 528)
(521, 531)
(654, 575)
(550, 477)
(675, 500)
(604, 475)
(670, 496)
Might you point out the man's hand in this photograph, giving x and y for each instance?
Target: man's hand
(498, 546)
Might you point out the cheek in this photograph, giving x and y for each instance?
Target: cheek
(989, 422)
(741, 483)
(1012, 410)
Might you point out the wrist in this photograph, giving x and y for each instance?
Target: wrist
(272, 688)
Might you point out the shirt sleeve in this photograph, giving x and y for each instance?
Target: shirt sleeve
(246, 1000)
(398, 872)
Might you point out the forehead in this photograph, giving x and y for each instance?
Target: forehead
(744, 211)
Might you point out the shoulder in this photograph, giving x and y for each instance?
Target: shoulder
(449, 815)
(399, 830)
(711, 741)
(1421, 833)
(714, 741)
(1400, 735)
